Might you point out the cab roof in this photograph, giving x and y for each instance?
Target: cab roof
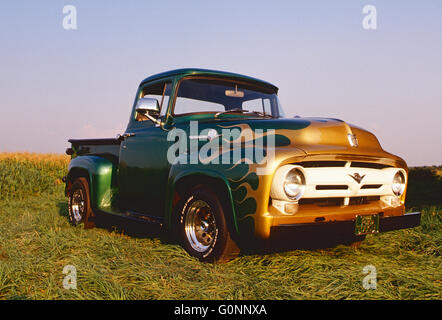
(205, 72)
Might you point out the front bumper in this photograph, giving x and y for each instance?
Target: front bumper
(313, 231)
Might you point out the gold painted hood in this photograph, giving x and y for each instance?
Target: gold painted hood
(320, 138)
(324, 136)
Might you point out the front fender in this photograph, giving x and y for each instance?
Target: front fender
(179, 172)
(101, 174)
(247, 187)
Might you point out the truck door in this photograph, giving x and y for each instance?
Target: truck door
(143, 167)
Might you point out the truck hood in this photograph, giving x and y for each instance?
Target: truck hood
(318, 136)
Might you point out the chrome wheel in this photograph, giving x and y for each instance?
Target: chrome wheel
(77, 205)
(200, 226)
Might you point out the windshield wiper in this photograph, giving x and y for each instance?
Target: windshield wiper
(262, 114)
(231, 110)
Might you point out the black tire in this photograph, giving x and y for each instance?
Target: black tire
(80, 210)
(211, 241)
(354, 241)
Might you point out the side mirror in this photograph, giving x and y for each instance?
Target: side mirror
(150, 108)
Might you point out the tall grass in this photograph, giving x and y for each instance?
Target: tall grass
(36, 242)
(26, 174)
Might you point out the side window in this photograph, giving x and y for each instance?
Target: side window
(261, 105)
(166, 97)
(267, 105)
(161, 92)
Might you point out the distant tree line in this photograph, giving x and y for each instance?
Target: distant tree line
(424, 187)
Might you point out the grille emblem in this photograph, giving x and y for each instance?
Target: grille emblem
(352, 140)
(357, 177)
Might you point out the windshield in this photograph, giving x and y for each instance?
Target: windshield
(219, 96)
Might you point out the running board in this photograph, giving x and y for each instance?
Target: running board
(144, 217)
(140, 217)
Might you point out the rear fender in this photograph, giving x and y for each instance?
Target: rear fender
(102, 176)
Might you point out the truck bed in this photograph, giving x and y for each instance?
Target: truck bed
(108, 148)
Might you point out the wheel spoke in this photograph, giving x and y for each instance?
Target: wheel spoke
(200, 225)
(77, 205)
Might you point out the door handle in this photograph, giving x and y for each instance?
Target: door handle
(124, 136)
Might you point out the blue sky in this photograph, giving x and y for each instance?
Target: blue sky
(57, 84)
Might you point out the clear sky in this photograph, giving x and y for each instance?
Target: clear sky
(57, 84)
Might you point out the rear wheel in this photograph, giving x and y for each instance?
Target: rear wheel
(79, 204)
(202, 227)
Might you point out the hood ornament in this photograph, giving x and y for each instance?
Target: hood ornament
(357, 177)
(352, 140)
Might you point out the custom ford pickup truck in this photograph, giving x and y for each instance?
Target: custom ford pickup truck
(210, 157)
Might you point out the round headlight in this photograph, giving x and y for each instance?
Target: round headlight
(294, 184)
(398, 184)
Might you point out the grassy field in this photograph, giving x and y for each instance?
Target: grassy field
(36, 242)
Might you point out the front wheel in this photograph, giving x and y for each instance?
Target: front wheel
(202, 227)
(354, 241)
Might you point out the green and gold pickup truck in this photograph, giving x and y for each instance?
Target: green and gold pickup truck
(211, 158)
